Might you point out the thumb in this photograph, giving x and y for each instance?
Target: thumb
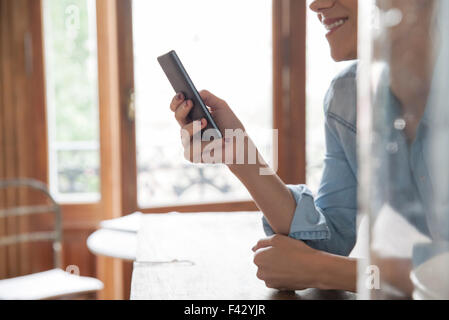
(263, 243)
(212, 101)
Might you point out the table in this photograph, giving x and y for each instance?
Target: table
(205, 256)
(113, 244)
(116, 238)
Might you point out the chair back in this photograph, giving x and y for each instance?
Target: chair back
(54, 236)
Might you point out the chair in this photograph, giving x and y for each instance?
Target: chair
(51, 284)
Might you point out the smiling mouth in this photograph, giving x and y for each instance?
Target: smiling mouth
(333, 24)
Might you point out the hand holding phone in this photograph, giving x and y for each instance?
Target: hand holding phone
(197, 104)
(181, 83)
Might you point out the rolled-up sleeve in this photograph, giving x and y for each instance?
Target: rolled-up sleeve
(308, 222)
(327, 222)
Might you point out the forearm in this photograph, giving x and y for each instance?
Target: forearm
(269, 192)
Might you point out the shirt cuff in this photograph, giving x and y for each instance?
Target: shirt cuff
(308, 222)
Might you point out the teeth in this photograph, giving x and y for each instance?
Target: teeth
(335, 24)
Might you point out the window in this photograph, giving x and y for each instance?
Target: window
(321, 69)
(224, 52)
(72, 99)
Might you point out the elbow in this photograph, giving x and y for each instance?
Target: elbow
(346, 243)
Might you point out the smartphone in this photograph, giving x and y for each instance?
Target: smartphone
(181, 82)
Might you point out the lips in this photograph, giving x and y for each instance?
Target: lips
(332, 24)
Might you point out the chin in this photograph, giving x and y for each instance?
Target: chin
(338, 55)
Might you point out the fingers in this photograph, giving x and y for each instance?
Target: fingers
(263, 243)
(211, 100)
(204, 152)
(191, 129)
(213, 151)
(181, 114)
(196, 150)
(176, 101)
(181, 108)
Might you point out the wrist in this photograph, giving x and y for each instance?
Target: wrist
(245, 171)
(336, 272)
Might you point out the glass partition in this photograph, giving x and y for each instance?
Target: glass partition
(404, 147)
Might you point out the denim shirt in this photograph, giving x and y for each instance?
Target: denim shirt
(327, 221)
(406, 178)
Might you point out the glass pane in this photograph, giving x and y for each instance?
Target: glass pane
(321, 69)
(72, 99)
(231, 57)
(404, 122)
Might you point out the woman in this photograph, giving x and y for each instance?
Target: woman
(310, 237)
(325, 225)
